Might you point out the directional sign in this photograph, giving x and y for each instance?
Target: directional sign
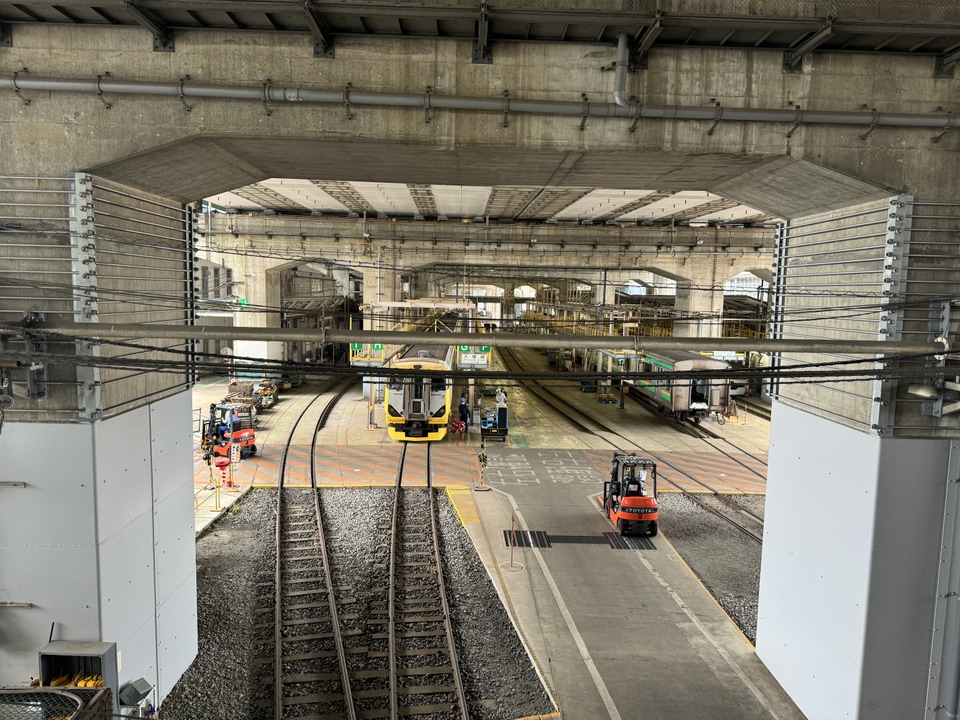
(378, 347)
(356, 346)
(473, 358)
(465, 348)
(484, 348)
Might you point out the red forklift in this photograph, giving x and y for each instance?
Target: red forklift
(229, 424)
(630, 495)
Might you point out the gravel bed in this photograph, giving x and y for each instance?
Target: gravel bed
(236, 554)
(726, 561)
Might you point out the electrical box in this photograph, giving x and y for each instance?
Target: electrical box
(80, 663)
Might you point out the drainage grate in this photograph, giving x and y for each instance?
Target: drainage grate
(629, 542)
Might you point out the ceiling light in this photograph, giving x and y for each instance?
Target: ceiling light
(922, 390)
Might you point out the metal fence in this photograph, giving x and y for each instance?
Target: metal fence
(62, 704)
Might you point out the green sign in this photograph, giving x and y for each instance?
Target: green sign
(378, 347)
(242, 301)
(484, 348)
(356, 346)
(465, 348)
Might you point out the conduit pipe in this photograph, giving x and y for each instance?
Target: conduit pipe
(268, 93)
(620, 75)
(109, 331)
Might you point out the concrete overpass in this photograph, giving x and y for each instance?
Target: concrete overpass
(838, 120)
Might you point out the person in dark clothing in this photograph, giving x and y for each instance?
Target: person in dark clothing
(464, 410)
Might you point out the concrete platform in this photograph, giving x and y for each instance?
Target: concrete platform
(615, 632)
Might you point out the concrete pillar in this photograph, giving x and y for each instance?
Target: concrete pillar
(698, 310)
(508, 307)
(418, 286)
(103, 535)
(604, 291)
(262, 289)
(850, 559)
(858, 598)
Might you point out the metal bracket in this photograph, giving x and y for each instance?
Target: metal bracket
(793, 59)
(506, 108)
(636, 118)
(426, 104)
(16, 88)
(320, 29)
(346, 101)
(183, 100)
(100, 92)
(584, 110)
(36, 373)
(481, 41)
(718, 116)
(265, 96)
(944, 65)
(796, 122)
(946, 129)
(163, 43)
(873, 125)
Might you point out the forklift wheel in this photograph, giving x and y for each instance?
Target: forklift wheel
(653, 529)
(621, 527)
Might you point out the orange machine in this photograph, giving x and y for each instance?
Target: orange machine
(630, 495)
(229, 424)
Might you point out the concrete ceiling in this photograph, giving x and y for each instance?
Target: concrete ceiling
(920, 27)
(348, 176)
(584, 205)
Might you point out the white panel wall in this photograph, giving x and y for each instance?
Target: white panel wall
(48, 552)
(174, 539)
(101, 541)
(851, 542)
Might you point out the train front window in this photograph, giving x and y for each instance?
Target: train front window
(417, 393)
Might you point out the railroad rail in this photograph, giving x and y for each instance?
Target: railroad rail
(424, 668)
(302, 660)
(323, 653)
(610, 435)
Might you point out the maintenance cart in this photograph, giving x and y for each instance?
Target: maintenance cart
(493, 424)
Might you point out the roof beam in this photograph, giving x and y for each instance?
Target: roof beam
(945, 63)
(320, 29)
(644, 40)
(793, 59)
(162, 36)
(481, 39)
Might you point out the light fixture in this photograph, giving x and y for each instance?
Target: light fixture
(922, 390)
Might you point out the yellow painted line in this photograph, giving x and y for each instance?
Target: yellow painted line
(462, 499)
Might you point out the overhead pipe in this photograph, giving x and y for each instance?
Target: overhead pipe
(110, 331)
(279, 94)
(620, 75)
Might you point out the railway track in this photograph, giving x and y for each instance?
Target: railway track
(326, 650)
(301, 660)
(424, 669)
(745, 521)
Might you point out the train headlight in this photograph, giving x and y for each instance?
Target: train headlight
(441, 412)
(393, 411)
